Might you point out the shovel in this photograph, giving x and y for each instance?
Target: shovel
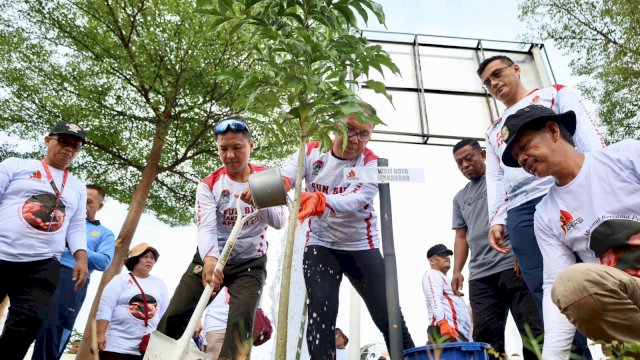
(163, 347)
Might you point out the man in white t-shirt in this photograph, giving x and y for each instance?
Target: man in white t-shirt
(593, 210)
(42, 207)
(449, 315)
(342, 353)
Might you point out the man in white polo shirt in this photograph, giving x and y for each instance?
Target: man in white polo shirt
(42, 207)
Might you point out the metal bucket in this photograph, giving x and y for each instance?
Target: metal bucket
(267, 189)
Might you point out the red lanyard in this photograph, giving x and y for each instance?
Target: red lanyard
(53, 184)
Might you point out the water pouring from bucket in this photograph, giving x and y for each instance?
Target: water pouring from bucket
(267, 191)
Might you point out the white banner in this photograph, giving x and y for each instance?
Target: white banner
(383, 175)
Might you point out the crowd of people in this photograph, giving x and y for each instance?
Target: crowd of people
(549, 224)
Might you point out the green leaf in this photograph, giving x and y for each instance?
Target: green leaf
(376, 86)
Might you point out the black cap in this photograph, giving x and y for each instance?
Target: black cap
(65, 128)
(528, 115)
(438, 249)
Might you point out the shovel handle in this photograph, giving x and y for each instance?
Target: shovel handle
(183, 342)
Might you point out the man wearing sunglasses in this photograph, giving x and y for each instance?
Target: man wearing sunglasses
(512, 194)
(42, 209)
(342, 237)
(245, 271)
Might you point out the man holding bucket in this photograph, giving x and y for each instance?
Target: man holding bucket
(245, 270)
(342, 236)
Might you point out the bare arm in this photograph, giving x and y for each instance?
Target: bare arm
(101, 331)
(460, 254)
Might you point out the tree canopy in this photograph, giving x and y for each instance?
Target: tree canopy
(138, 75)
(603, 39)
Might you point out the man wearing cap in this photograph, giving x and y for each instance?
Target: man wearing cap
(42, 207)
(593, 210)
(55, 331)
(495, 284)
(512, 194)
(245, 270)
(449, 315)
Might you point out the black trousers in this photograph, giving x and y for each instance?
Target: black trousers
(244, 282)
(323, 269)
(30, 286)
(491, 299)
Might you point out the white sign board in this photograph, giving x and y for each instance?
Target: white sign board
(383, 175)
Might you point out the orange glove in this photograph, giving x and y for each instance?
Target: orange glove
(287, 183)
(311, 204)
(447, 330)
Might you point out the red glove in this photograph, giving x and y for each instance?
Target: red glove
(447, 330)
(287, 183)
(311, 204)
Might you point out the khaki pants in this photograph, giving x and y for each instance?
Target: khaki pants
(215, 339)
(601, 301)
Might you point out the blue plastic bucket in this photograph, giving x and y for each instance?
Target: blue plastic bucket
(450, 351)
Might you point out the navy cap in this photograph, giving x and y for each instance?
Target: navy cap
(528, 115)
(438, 249)
(65, 128)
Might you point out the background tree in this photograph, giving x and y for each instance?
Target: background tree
(138, 75)
(603, 38)
(308, 59)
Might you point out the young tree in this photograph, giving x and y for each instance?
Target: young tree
(309, 59)
(602, 37)
(139, 76)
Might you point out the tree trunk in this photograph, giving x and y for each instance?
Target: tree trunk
(283, 310)
(138, 202)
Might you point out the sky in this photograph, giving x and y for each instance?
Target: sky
(421, 212)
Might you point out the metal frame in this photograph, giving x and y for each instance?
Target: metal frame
(479, 47)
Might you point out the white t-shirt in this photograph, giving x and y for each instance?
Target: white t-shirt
(216, 215)
(349, 221)
(442, 303)
(509, 187)
(27, 201)
(342, 354)
(587, 216)
(217, 313)
(121, 304)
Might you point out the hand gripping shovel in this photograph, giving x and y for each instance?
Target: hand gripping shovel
(163, 347)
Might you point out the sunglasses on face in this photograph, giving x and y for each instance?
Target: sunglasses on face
(234, 125)
(362, 136)
(75, 146)
(496, 74)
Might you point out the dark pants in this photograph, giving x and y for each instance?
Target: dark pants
(525, 247)
(491, 299)
(57, 326)
(108, 355)
(244, 282)
(323, 270)
(30, 286)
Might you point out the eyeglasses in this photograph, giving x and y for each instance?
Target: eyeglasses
(75, 146)
(496, 74)
(362, 136)
(234, 125)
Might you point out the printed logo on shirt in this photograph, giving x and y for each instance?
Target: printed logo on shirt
(317, 166)
(42, 213)
(94, 233)
(37, 175)
(351, 175)
(505, 133)
(225, 195)
(567, 221)
(136, 306)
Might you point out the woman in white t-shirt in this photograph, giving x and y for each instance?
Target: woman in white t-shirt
(131, 306)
